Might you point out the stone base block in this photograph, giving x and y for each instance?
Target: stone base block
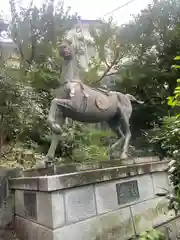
(171, 229)
(28, 230)
(114, 203)
(112, 226)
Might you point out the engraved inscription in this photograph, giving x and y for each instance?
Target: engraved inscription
(30, 204)
(127, 192)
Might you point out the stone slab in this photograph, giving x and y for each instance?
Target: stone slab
(28, 230)
(7, 211)
(44, 209)
(146, 159)
(76, 167)
(30, 204)
(19, 203)
(57, 182)
(79, 203)
(58, 209)
(151, 213)
(106, 227)
(106, 194)
(50, 208)
(24, 183)
(6, 196)
(33, 172)
(160, 182)
(171, 229)
(112, 226)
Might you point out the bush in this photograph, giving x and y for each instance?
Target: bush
(90, 153)
(86, 143)
(168, 136)
(152, 234)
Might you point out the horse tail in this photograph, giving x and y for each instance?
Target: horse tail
(133, 99)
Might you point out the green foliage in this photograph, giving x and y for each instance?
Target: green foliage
(26, 91)
(109, 49)
(37, 33)
(9, 112)
(174, 101)
(168, 136)
(81, 143)
(138, 56)
(90, 153)
(152, 234)
(148, 75)
(93, 145)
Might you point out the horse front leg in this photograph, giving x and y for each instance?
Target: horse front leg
(55, 121)
(60, 120)
(49, 158)
(56, 114)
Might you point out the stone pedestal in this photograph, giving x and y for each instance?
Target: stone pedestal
(6, 196)
(78, 167)
(113, 203)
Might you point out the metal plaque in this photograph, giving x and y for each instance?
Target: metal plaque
(30, 205)
(127, 192)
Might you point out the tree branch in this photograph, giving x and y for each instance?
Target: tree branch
(114, 62)
(3, 155)
(112, 74)
(105, 73)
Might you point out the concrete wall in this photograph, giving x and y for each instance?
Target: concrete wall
(6, 196)
(84, 205)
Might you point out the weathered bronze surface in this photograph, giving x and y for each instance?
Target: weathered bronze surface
(83, 103)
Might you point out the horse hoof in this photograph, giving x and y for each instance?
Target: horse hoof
(124, 156)
(40, 164)
(56, 128)
(45, 162)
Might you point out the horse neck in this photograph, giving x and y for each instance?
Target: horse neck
(71, 71)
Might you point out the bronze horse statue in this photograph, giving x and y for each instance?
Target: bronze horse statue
(83, 103)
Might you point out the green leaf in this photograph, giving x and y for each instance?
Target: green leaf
(177, 58)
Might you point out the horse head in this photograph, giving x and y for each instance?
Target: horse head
(66, 50)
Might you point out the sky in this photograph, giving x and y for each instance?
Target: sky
(94, 9)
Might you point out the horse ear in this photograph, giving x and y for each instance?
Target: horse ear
(69, 41)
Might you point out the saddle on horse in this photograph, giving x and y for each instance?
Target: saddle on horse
(101, 100)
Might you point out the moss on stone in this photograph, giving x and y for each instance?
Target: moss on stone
(151, 213)
(110, 227)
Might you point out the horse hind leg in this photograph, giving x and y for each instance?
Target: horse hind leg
(127, 133)
(124, 135)
(115, 126)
